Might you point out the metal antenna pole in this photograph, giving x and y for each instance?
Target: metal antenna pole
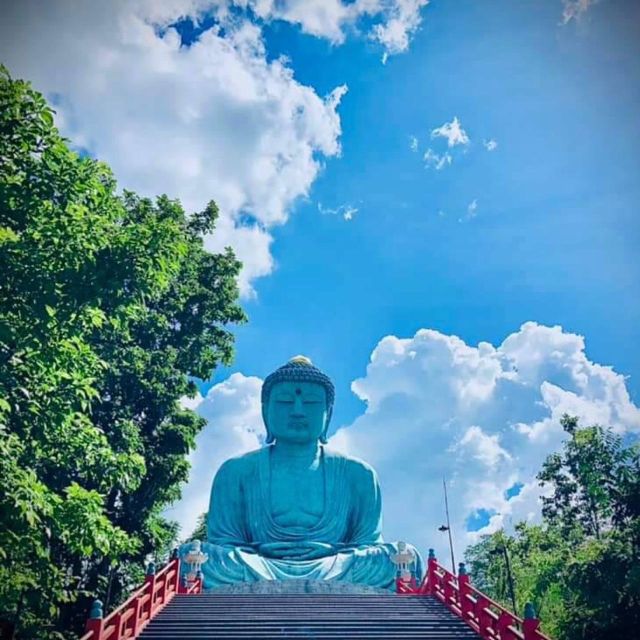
(446, 508)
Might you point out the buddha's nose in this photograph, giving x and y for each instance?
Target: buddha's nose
(298, 406)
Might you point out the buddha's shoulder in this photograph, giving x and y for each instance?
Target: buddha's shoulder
(241, 464)
(354, 466)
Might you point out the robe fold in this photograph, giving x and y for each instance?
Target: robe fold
(245, 544)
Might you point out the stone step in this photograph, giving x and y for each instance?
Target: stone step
(305, 615)
(383, 632)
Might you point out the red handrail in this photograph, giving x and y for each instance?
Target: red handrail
(130, 618)
(490, 620)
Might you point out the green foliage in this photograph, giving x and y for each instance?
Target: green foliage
(109, 304)
(581, 567)
(200, 532)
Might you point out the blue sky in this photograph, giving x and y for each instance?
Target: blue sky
(489, 169)
(556, 234)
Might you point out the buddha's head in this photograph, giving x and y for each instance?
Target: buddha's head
(297, 401)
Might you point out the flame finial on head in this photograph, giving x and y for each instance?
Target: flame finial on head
(300, 359)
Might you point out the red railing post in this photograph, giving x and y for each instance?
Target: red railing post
(432, 564)
(176, 559)
(448, 589)
(463, 585)
(94, 623)
(150, 579)
(530, 623)
(484, 619)
(117, 623)
(489, 619)
(135, 616)
(504, 621)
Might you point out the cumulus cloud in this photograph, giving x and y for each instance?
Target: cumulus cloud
(390, 23)
(413, 143)
(483, 447)
(490, 145)
(216, 119)
(452, 132)
(234, 426)
(484, 417)
(213, 118)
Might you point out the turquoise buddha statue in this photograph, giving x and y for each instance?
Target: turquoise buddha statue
(294, 509)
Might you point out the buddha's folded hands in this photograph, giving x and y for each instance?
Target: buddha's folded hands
(303, 550)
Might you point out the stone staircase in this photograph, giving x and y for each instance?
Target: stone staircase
(305, 615)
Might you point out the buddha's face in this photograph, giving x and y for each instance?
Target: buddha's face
(297, 411)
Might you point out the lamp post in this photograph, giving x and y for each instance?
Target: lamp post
(447, 527)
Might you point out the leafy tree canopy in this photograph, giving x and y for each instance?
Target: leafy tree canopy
(109, 305)
(581, 566)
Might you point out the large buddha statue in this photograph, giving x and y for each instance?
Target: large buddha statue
(294, 509)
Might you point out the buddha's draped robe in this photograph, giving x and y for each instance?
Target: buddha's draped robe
(245, 544)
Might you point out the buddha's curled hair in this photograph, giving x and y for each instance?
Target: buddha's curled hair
(299, 369)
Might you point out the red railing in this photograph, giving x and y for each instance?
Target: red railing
(130, 618)
(490, 620)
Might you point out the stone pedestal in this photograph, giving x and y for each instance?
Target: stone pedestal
(298, 586)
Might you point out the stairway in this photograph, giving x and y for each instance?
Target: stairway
(304, 615)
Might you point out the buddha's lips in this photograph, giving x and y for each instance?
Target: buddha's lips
(298, 424)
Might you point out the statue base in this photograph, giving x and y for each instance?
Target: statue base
(298, 586)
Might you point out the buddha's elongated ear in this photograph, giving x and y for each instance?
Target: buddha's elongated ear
(269, 439)
(323, 436)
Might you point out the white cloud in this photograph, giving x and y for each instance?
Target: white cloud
(575, 9)
(191, 403)
(234, 426)
(435, 160)
(490, 145)
(472, 211)
(346, 211)
(216, 119)
(485, 417)
(452, 132)
(391, 23)
(402, 21)
(413, 143)
(483, 447)
(349, 213)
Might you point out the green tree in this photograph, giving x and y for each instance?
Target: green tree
(537, 556)
(595, 501)
(109, 305)
(581, 567)
(200, 532)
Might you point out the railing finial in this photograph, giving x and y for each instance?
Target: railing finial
(96, 612)
(151, 569)
(462, 570)
(432, 554)
(529, 611)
